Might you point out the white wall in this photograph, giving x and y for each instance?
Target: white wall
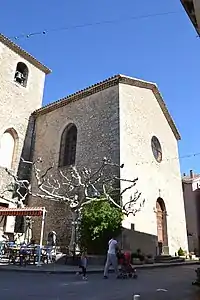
(141, 118)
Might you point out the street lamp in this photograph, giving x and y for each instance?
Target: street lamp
(76, 224)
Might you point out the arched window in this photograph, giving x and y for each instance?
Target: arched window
(68, 146)
(8, 145)
(21, 74)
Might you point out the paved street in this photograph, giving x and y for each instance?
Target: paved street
(177, 282)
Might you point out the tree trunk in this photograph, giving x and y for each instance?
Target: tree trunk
(72, 244)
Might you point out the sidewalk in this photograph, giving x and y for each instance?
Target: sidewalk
(66, 269)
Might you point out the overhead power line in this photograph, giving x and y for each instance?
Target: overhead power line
(171, 158)
(84, 25)
(153, 161)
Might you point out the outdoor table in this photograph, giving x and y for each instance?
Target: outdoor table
(28, 211)
(27, 254)
(23, 255)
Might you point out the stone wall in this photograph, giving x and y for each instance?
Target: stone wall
(131, 240)
(191, 200)
(97, 120)
(118, 122)
(17, 103)
(57, 219)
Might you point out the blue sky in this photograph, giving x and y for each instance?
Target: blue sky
(162, 49)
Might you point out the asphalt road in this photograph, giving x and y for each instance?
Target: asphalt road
(175, 281)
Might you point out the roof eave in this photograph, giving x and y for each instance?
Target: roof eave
(17, 49)
(190, 180)
(196, 27)
(106, 84)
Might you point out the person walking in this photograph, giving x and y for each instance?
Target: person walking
(83, 265)
(111, 258)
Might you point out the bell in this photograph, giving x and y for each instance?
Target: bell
(19, 77)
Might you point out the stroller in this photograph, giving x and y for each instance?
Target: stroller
(127, 271)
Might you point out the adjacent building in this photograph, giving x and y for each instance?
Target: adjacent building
(192, 8)
(191, 192)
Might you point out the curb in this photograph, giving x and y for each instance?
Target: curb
(99, 271)
(167, 265)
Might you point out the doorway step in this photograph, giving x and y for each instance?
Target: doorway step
(168, 259)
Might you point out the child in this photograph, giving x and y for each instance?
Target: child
(83, 265)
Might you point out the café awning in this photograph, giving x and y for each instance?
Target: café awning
(26, 211)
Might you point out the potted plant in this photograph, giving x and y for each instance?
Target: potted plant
(149, 259)
(181, 253)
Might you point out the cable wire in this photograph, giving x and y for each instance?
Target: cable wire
(121, 20)
(153, 161)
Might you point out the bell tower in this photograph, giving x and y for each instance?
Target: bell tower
(22, 80)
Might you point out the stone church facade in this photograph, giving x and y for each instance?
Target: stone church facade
(126, 120)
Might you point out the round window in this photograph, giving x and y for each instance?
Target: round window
(156, 148)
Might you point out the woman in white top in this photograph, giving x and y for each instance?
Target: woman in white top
(111, 258)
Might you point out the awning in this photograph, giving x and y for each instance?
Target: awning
(26, 211)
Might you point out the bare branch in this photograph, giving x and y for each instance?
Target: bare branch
(64, 176)
(99, 171)
(26, 161)
(6, 199)
(127, 188)
(76, 188)
(109, 198)
(41, 179)
(46, 172)
(11, 174)
(90, 200)
(81, 187)
(127, 180)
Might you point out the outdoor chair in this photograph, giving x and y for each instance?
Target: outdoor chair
(1, 249)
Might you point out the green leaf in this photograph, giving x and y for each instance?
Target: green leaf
(99, 221)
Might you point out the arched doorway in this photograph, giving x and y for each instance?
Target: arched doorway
(161, 226)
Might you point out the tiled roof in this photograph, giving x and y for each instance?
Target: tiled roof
(23, 54)
(112, 81)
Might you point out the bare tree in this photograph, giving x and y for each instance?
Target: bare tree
(79, 188)
(13, 191)
(16, 192)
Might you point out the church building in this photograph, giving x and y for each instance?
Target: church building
(122, 118)
(125, 119)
